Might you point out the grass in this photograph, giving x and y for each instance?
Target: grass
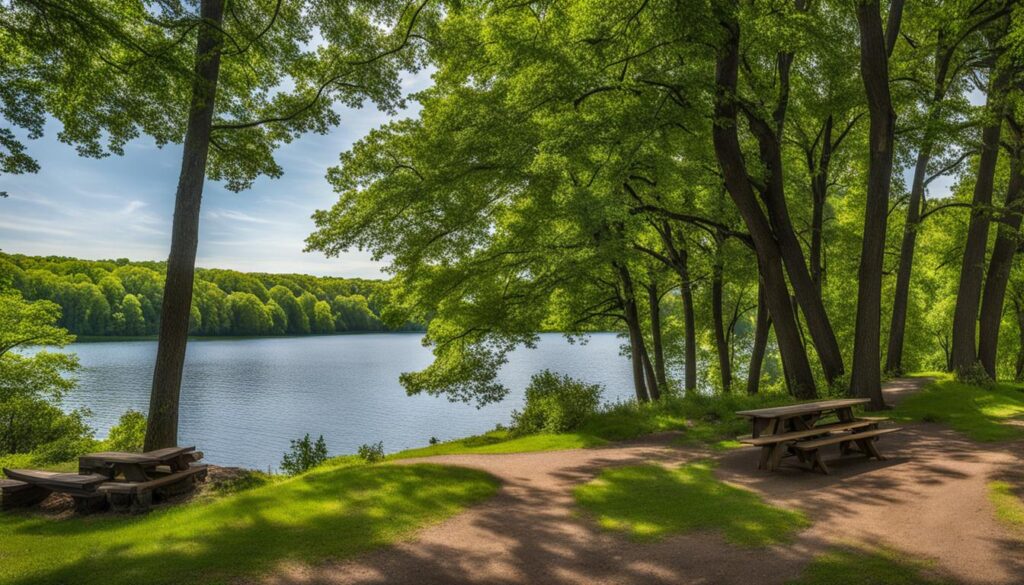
(1009, 506)
(986, 414)
(330, 513)
(709, 421)
(864, 566)
(502, 442)
(652, 502)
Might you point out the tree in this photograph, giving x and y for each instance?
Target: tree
(875, 47)
(33, 386)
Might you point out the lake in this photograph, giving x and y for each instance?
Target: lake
(243, 400)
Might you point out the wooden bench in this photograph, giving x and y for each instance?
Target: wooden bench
(80, 487)
(15, 493)
(863, 439)
(818, 430)
(125, 496)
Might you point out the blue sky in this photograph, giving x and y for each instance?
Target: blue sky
(121, 207)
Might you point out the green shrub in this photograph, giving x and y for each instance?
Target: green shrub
(304, 455)
(372, 453)
(129, 433)
(555, 404)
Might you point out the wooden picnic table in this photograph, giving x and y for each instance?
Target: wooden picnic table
(137, 467)
(125, 481)
(782, 431)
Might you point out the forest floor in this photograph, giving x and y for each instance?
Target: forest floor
(923, 516)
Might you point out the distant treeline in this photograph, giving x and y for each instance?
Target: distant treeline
(122, 298)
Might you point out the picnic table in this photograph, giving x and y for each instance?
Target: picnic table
(797, 430)
(124, 481)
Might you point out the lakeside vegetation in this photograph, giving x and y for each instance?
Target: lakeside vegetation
(121, 299)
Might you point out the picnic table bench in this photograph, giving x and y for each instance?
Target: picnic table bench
(794, 430)
(124, 481)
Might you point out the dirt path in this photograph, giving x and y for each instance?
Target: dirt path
(925, 500)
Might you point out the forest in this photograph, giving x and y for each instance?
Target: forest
(122, 298)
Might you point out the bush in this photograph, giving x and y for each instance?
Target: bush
(304, 455)
(129, 433)
(372, 453)
(555, 404)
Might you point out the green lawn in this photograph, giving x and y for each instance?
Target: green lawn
(862, 566)
(331, 513)
(992, 413)
(709, 421)
(651, 501)
(502, 442)
(1009, 506)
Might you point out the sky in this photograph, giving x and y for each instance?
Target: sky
(122, 206)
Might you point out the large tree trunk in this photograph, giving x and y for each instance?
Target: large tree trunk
(730, 159)
(897, 325)
(162, 428)
(636, 337)
(654, 304)
(866, 376)
(806, 292)
(718, 320)
(762, 326)
(972, 269)
(999, 266)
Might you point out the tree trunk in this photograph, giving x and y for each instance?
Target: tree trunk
(636, 336)
(897, 325)
(654, 302)
(818, 324)
(972, 270)
(1019, 370)
(866, 376)
(653, 391)
(730, 159)
(680, 261)
(999, 266)
(819, 190)
(721, 343)
(762, 326)
(162, 427)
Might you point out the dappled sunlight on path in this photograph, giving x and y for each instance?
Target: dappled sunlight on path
(928, 500)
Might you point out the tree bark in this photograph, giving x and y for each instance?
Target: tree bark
(730, 159)
(972, 269)
(897, 325)
(818, 324)
(718, 321)
(654, 303)
(1018, 308)
(866, 376)
(636, 337)
(681, 262)
(762, 326)
(819, 190)
(998, 275)
(162, 427)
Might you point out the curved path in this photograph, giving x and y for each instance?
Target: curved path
(928, 500)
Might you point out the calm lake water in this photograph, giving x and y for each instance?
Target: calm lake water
(243, 400)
